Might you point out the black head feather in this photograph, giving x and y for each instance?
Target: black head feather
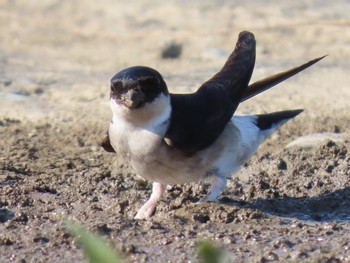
(137, 85)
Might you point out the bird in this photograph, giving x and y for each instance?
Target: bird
(170, 138)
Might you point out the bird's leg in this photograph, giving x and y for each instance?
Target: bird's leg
(147, 210)
(218, 183)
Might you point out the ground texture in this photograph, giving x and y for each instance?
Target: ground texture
(290, 203)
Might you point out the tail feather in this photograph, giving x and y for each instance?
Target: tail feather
(275, 119)
(267, 83)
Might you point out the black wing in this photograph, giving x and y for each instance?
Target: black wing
(198, 119)
(106, 144)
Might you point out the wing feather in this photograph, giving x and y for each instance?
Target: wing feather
(197, 119)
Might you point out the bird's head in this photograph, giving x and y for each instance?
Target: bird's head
(138, 91)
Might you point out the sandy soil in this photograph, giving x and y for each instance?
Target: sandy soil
(288, 204)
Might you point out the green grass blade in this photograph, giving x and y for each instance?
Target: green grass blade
(95, 248)
(208, 253)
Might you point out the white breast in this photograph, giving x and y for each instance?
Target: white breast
(139, 139)
(139, 131)
(137, 136)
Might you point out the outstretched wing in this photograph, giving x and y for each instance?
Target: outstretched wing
(198, 119)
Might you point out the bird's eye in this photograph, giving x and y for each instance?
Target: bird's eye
(116, 86)
(139, 88)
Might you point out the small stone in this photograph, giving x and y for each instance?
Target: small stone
(315, 139)
(282, 165)
(40, 239)
(201, 218)
(172, 50)
(128, 249)
(271, 257)
(21, 218)
(6, 241)
(104, 229)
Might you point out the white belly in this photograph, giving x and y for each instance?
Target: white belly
(151, 158)
(154, 160)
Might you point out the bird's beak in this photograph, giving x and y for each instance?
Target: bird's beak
(133, 98)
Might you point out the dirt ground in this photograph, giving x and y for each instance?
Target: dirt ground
(290, 203)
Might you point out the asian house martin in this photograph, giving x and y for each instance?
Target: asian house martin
(180, 138)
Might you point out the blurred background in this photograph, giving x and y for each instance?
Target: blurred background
(79, 45)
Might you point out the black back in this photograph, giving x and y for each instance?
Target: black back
(198, 119)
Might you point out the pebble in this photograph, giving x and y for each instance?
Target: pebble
(315, 139)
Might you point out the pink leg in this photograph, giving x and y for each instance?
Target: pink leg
(217, 185)
(147, 210)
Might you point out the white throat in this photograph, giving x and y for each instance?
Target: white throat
(152, 116)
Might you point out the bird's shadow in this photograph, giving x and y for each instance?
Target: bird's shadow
(328, 207)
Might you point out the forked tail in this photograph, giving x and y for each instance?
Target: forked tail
(275, 119)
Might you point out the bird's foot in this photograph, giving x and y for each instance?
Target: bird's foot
(147, 210)
(218, 183)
